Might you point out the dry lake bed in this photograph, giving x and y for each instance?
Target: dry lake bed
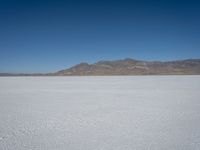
(100, 113)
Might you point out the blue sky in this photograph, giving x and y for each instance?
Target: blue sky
(46, 35)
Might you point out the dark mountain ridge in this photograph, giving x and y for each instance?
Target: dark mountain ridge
(126, 66)
(130, 66)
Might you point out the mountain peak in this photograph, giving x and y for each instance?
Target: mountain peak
(129, 66)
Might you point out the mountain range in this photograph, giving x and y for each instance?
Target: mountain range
(127, 66)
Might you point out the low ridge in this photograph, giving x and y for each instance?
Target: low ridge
(126, 66)
(135, 67)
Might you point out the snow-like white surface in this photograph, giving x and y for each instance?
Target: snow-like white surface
(100, 113)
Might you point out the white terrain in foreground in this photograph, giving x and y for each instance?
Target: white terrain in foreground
(100, 113)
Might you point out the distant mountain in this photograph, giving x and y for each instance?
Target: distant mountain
(134, 67)
(25, 74)
(127, 67)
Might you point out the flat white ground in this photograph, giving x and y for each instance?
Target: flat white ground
(100, 113)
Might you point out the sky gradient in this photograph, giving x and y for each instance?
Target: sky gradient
(46, 36)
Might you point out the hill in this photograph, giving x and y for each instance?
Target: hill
(134, 67)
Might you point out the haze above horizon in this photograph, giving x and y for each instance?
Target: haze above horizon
(46, 36)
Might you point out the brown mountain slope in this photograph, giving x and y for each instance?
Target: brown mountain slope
(134, 67)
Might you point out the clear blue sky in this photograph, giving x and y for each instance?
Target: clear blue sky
(46, 35)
